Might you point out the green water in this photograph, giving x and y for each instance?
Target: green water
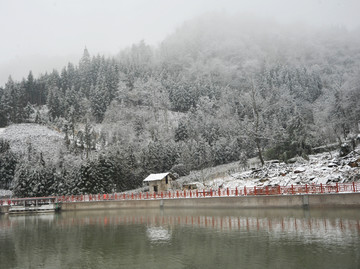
(182, 239)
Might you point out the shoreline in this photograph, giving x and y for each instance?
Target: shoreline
(260, 200)
(338, 200)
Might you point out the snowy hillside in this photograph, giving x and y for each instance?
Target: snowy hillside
(41, 138)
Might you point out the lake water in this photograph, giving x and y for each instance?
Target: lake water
(182, 239)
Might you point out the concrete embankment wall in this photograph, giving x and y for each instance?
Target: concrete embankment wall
(274, 201)
(4, 209)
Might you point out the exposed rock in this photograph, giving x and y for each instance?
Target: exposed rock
(321, 168)
(354, 164)
(297, 160)
(322, 180)
(298, 170)
(345, 149)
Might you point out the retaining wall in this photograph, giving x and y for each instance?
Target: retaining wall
(4, 209)
(266, 201)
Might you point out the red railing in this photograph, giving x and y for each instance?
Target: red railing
(177, 194)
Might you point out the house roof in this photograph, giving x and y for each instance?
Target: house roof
(154, 177)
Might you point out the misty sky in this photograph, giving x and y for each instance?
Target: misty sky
(40, 35)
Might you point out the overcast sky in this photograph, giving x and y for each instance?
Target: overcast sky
(40, 35)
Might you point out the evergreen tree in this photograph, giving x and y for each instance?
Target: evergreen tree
(55, 103)
(3, 110)
(96, 176)
(181, 132)
(85, 72)
(100, 96)
(88, 138)
(8, 163)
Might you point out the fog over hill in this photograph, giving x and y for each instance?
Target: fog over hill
(221, 88)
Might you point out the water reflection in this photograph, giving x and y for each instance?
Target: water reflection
(158, 234)
(182, 239)
(160, 222)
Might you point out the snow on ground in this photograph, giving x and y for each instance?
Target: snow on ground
(41, 138)
(320, 168)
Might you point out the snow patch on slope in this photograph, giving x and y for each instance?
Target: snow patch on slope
(41, 138)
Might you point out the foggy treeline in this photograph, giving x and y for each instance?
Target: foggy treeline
(219, 89)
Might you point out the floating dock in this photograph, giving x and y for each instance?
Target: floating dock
(31, 205)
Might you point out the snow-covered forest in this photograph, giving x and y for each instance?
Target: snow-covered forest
(219, 89)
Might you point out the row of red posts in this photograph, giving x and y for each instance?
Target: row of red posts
(277, 190)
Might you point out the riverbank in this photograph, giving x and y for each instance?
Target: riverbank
(343, 200)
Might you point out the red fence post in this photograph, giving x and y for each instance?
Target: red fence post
(236, 191)
(197, 193)
(337, 187)
(292, 189)
(267, 190)
(203, 193)
(245, 190)
(190, 194)
(219, 192)
(321, 188)
(255, 190)
(279, 189)
(306, 188)
(353, 184)
(177, 194)
(185, 193)
(227, 191)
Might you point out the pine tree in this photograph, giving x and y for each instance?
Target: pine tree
(87, 138)
(85, 72)
(100, 96)
(181, 132)
(55, 103)
(8, 163)
(96, 176)
(3, 112)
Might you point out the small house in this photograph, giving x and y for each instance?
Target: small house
(159, 182)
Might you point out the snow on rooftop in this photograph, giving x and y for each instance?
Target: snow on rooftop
(153, 177)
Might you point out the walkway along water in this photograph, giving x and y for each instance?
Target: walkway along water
(332, 195)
